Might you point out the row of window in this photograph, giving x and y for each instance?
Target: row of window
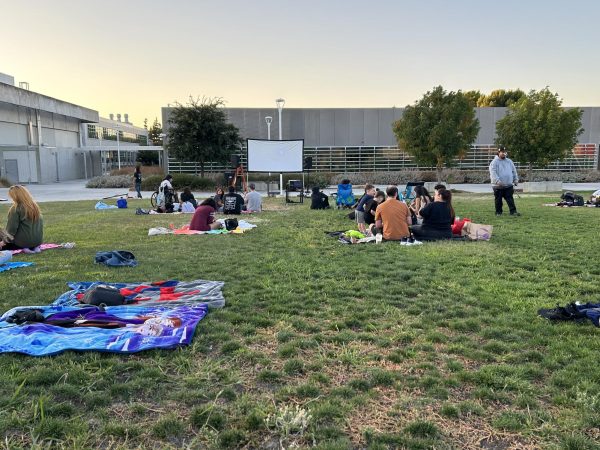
(98, 132)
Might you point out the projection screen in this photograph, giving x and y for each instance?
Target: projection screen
(275, 156)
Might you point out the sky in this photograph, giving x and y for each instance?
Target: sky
(136, 56)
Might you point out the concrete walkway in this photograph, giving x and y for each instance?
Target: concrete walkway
(76, 190)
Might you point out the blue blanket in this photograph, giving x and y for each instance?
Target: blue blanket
(14, 265)
(118, 329)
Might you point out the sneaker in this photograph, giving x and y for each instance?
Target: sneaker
(403, 241)
(68, 245)
(28, 251)
(415, 242)
(378, 238)
(498, 214)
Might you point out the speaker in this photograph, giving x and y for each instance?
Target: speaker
(235, 160)
(307, 163)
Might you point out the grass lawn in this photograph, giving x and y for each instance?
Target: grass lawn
(323, 344)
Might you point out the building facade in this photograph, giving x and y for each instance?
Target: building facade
(44, 140)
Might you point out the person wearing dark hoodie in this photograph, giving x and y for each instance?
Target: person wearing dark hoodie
(318, 200)
(503, 176)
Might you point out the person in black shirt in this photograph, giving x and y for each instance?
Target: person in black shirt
(371, 206)
(318, 199)
(137, 177)
(232, 202)
(438, 218)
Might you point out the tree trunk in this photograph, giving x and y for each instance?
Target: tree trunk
(530, 172)
(202, 169)
(438, 172)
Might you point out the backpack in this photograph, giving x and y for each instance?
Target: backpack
(103, 295)
(231, 224)
(568, 197)
(578, 200)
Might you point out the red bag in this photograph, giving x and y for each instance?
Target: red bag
(458, 225)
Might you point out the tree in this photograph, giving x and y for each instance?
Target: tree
(200, 132)
(150, 157)
(537, 130)
(438, 128)
(473, 97)
(500, 97)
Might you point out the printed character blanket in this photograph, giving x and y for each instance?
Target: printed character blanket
(118, 329)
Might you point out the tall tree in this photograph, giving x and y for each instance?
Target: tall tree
(199, 132)
(537, 130)
(500, 97)
(154, 133)
(438, 128)
(473, 97)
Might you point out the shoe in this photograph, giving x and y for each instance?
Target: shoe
(515, 214)
(378, 238)
(68, 245)
(28, 251)
(498, 214)
(415, 242)
(403, 241)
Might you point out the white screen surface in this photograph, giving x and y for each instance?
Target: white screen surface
(275, 156)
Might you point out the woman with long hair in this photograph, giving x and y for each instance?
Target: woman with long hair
(25, 223)
(219, 198)
(438, 217)
(422, 199)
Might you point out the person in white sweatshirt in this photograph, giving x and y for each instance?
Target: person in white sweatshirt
(504, 176)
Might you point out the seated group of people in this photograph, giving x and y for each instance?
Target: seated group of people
(426, 219)
(230, 203)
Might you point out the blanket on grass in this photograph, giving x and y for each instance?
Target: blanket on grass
(42, 247)
(117, 329)
(14, 265)
(185, 229)
(171, 292)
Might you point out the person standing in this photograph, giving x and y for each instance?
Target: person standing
(137, 177)
(503, 176)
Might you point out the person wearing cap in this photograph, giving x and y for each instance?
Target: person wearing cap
(503, 176)
(253, 200)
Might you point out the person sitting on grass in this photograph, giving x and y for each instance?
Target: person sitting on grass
(219, 197)
(392, 217)
(371, 208)
(253, 200)
(187, 196)
(25, 223)
(318, 200)
(232, 202)
(438, 218)
(422, 198)
(360, 208)
(204, 216)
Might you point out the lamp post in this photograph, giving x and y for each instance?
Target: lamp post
(162, 137)
(268, 120)
(118, 126)
(280, 103)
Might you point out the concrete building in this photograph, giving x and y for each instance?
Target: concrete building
(356, 139)
(43, 139)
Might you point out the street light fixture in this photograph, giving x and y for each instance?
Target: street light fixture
(280, 103)
(268, 120)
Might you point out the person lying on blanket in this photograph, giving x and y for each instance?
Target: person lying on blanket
(204, 216)
(25, 222)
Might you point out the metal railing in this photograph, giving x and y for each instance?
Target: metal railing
(387, 159)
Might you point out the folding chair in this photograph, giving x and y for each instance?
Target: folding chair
(344, 197)
(408, 195)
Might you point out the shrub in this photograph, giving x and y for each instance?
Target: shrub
(109, 181)
(4, 182)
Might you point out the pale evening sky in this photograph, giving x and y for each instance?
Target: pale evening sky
(135, 56)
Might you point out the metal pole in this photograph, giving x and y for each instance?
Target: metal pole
(280, 102)
(118, 150)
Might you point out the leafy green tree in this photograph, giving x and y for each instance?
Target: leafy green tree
(150, 157)
(438, 128)
(473, 97)
(199, 132)
(500, 97)
(537, 130)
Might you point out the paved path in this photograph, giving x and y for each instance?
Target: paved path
(76, 190)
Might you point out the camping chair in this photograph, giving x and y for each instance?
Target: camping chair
(344, 196)
(408, 195)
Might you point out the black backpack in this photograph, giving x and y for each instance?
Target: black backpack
(103, 295)
(568, 197)
(231, 224)
(578, 200)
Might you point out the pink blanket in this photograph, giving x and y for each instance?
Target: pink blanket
(43, 247)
